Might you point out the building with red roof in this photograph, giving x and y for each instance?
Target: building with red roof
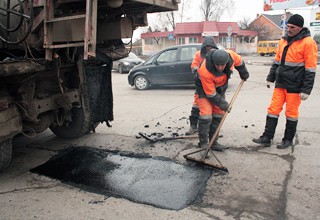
(227, 34)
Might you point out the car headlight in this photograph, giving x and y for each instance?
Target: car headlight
(126, 63)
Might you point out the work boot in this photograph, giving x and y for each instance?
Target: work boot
(268, 134)
(213, 128)
(284, 144)
(217, 147)
(203, 130)
(193, 124)
(192, 130)
(263, 140)
(289, 133)
(203, 145)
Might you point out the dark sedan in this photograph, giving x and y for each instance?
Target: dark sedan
(170, 66)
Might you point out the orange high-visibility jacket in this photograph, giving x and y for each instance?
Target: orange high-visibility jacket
(295, 63)
(211, 79)
(197, 60)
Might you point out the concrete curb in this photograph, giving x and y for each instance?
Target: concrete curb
(259, 63)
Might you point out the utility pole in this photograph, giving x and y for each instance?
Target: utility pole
(229, 37)
(284, 22)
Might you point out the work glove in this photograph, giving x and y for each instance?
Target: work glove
(194, 70)
(224, 106)
(304, 96)
(244, 77)
(268, 84)
(229, 109)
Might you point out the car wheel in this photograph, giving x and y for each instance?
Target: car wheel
(141, 82)
(120, 69)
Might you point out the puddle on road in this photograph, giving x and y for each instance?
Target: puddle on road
(159, 182)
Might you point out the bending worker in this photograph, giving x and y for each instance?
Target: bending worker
(207, 45)
(293, 72)
(212, 83)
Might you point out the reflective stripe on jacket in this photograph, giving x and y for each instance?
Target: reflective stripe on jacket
(295, 63)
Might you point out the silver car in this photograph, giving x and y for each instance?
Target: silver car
(124, 65)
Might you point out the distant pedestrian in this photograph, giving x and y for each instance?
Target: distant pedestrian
(293, 72)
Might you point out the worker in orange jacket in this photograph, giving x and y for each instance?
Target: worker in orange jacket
(211, 83)
(293, 72)
(207, 45)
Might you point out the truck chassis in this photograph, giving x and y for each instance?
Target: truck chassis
(56, 60)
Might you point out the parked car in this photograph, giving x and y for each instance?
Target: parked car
(170, 66)
(124, 65)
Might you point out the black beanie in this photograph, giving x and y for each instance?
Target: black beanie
(220, 57)
(296, 20)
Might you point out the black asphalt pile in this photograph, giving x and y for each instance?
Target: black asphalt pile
(159, 182)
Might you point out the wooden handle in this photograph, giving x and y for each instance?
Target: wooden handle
(223, 118)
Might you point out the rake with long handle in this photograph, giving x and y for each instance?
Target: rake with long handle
(208, 149)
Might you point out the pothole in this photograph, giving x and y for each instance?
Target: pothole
(159, 182)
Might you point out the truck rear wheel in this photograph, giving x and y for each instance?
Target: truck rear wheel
(5, 153)
(80, 125)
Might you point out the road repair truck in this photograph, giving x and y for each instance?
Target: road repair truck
(55, 63)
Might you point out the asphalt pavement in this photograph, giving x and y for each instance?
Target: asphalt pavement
(262, 183)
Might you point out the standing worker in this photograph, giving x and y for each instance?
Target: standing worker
(207, 45)
(293, 72)
(212, 83)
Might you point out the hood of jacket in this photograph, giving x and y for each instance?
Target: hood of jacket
(207, 41)
(302, 34)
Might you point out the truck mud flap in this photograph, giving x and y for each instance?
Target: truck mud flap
(99, 88)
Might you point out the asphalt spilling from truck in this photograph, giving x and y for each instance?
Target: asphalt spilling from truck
(159, 181)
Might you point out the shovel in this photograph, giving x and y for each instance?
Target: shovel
(167, 138)
(202, 160)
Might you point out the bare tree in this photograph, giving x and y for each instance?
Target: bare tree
(264, 31)
(212, 10)
(181, 15)
(162, 21)
(150, 29)
(170, 17)
(167, 20)
(244, 24)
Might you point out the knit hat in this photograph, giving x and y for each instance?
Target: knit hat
(220, 57)
(296, 20)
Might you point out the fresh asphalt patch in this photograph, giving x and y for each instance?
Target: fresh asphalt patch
(140, 178)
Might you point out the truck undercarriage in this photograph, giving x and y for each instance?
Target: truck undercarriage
(56, 60)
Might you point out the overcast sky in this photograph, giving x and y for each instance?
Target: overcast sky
(248, 8)
(242, 8)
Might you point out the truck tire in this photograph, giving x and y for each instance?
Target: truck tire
(80, 125)
(5, 153)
